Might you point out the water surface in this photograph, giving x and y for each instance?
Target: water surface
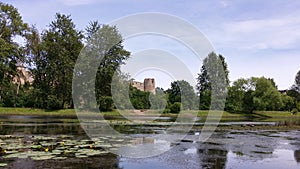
(266, 149)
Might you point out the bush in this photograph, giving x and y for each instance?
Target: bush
(53, 103)
(298, 106)
(294, 111)
(106, 103)
(175, 108)
(167, 111)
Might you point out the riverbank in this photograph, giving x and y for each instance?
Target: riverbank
(201, 113)
(284, 121)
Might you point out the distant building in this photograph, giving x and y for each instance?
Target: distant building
(147, 86)
(23, 76)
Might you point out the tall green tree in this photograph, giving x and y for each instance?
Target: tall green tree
(294, 92)
(60, 46)
(11, 52)
(213, 77)
(296, 86)
(106, 42)
(159, 99)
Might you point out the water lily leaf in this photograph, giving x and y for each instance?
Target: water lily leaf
(42, 157)
(36, 146)
(59, 158)
(3, 164)
(81, 156)
(11, 152)
(12, 155)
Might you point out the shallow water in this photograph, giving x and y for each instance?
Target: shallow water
(230, 149)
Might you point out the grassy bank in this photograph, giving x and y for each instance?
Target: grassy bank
(202, 113)
(36, 112)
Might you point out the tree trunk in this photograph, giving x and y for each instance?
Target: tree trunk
(17, 93)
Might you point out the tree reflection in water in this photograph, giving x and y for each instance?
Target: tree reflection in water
(109, 161)
(213, 158)
(297, 155)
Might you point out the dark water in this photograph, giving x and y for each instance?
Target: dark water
(230, 149)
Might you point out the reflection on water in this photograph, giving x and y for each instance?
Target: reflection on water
(297, 156)
(105, 162)
(280, 159)
(49, 129)
(228, 149)
(213, 158)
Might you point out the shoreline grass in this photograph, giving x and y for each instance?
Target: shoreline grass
(201, 113)
(35, 112)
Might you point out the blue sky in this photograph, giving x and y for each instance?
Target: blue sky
(257, 38)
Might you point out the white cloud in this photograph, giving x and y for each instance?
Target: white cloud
(279, 33)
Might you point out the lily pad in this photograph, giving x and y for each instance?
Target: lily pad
(36, 147)
(42, 157)
(12, 155)
(56, 152)
(59, 158)
(66, 136)
(11, 152)
(3, 164)
(81, 156)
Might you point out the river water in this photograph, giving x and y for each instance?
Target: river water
(243, 149)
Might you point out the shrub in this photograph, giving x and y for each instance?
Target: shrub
(166, 111)
(175, 107)
(298, 106)
(294, 111)
(53, 103)
(106, 103)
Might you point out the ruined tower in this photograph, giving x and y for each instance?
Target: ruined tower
(149, 85)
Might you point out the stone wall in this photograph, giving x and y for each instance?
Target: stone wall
(138, 85)
(147, 86)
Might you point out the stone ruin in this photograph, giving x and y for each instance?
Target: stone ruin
(147, 86)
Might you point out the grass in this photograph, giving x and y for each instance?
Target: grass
(36, 112)
(202, 113)
(276, 114)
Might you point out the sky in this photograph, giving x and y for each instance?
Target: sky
(257, 38)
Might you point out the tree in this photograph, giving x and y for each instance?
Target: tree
(266, 95)
(182, 92)
(139, 99)
(288, 102)
(11, 53)
(106, 41)
(204, 88)
(254, 93)
(159, 99)
(59, 49)
(296, 86)
(236, 94)
(294, 92)
(213, 81)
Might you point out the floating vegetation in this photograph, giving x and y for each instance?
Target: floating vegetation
(238, 153)
(57, 148)
(3, 164)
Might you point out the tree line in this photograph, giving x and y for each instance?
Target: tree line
(50, 57)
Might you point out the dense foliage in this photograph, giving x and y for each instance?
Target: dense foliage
(49, 57)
